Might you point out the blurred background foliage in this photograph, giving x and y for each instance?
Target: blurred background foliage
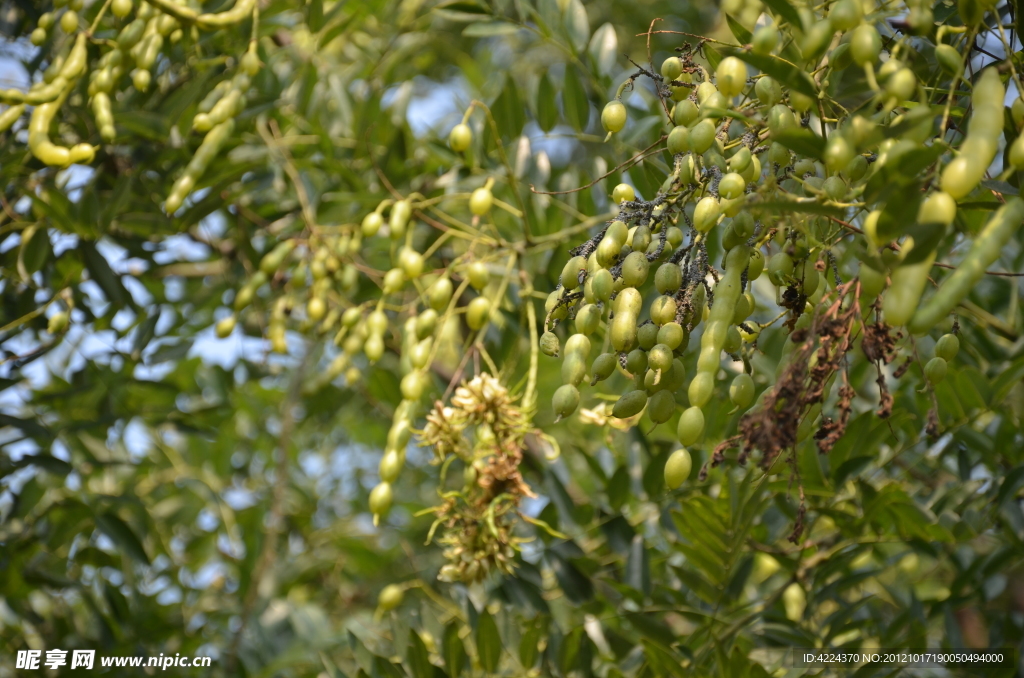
(162, 490)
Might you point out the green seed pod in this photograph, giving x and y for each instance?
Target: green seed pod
(623, 193)
(608, 252)
(565, 400)
(411, 262)
(865, 44)
(756, 266)
(691, 426)
(812, 279)
(661, 407)
(398, 220)
(731, 186)
(636, 361)
(58, 322)
(588, 318)
(780, 118)
(741, 391)
(765, 39)
(480, 201)
(478, 313)
(733, 340)
(678, 139)
(426, 323)
(549, 344)
(574, 368)
(674, 237)
(374, 348)
(780, 269)
(629, 302)
(69, 21)
(613, 116)
(846, 14)
(668, 278)
(578, 344)
(630, 404)
(684, 113)
(641, 239)
(571, 271)
(935, 370)
(702, 136)
(603, 367)
(460, 138)
(856, 169)
(602, 285)
(350, 317)
(647, 336)
(380, 503)
(439, 294)
(316, 309)
(947, 347)
(677, 468)
(273, 259)
(635, 269)
(413, 385)
(985, 250)
(663, 310)
(731, 76)
(394, 281)
(377, 322)
(419, 356)
(121, 8)
(701, 388)
(743, 309)
(478, 275)
(671, 68)
(672, 335)
(730, 238)
(778, 154)
(391, 465)
(552, 308)
(675, 377)
(768, 91)
(706, 214)
(660, 357)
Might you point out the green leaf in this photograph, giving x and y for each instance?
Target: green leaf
(604, 48)
(488, 642)
(418, 658)
(35, 248)
(528, 650)
(315, 15)
(574, 99)
(713, 55)
(489, 29)
(104, 276)
(508, 110)
(577, 26)
(122, 535)
(801, 141)
(785, 10)
(801, 206)
(638, 568)
(741, 33)
(547, 108)
(926, 238)
(453, 651)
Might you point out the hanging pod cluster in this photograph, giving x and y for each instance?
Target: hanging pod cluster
(143, 32)
(739, 139)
